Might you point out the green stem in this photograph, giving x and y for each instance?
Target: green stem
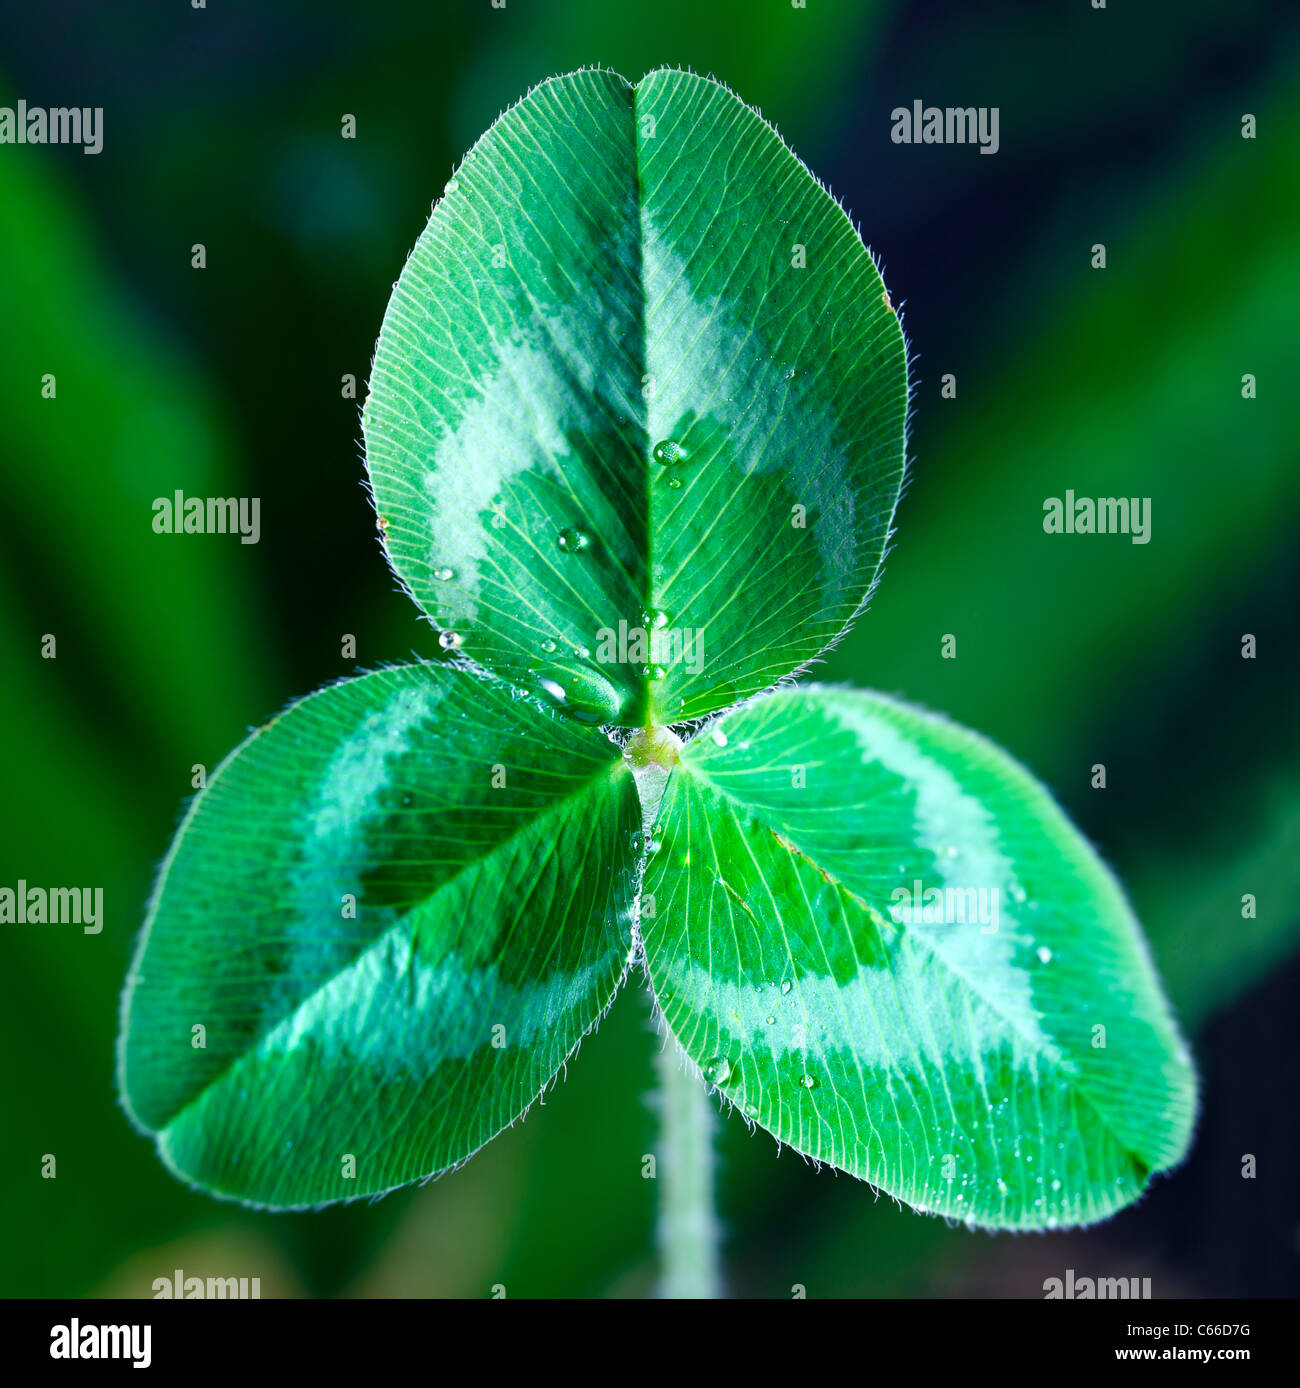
(688, 1229)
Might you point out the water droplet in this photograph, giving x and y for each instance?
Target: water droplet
(450, 640)
(786, 985)
(1056, 1185)
(771, 1021)
(717, 1070)
(808, 1082)
(589, 697)
(657, 672)
(656, 619)
(669, 451)
(444, 574)
(719, 737)
(675, 483)
(572, 541)
(407, 799)
(636, 841)
(452, 185)
(548, 646)
(1044, 954)
(581, 652)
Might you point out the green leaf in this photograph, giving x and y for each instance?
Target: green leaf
(489, 848)
(639, 369)
(957, 1065)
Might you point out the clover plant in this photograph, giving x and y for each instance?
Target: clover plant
(635, 436)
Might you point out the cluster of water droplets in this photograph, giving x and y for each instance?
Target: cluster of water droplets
(669, 453)
(589, 695)
(449, 640)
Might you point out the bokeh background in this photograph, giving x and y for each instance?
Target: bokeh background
(222, 126)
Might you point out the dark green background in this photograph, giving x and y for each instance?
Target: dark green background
(222, 126)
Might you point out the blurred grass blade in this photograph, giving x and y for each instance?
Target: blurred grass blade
(900, 958)
(639, 375)
(393, 913)
(131, 420)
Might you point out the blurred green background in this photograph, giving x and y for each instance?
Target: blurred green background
(222, 126)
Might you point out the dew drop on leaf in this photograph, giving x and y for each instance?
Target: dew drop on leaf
(572, 541)
(449, 640)
(717, 1070)
(589, 698)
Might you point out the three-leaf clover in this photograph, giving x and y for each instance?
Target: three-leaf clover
(636, 434)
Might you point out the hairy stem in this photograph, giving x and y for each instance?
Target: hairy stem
(688, 1230)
